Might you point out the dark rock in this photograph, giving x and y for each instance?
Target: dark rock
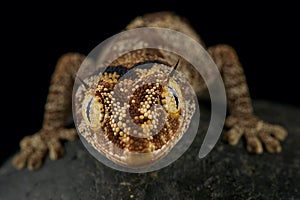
(227, 172)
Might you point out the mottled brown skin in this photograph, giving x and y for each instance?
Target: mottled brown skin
(241, 120)
(113, 93)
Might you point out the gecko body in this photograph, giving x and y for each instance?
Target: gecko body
(114, 99)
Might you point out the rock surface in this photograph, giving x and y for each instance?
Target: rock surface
(227, 172)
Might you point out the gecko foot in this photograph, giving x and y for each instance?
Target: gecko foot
(34, 148)
(256, 132)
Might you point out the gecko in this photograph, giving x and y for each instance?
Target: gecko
(240, 122)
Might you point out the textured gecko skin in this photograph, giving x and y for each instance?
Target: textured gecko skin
(241, 121)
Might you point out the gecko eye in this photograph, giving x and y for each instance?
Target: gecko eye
(175, 96)
(172, 98)
(92, 111)
(87, 110)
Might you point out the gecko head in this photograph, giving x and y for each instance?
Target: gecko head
(141, 113)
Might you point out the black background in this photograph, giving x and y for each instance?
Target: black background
(35, 36)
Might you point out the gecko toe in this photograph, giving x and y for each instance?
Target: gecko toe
(254, 145)
(20, 160)
(35, 161)
(233, 135)
(273, 148)
(272, 145)
(55, 149)
(68, 134)
(278, 132)
(230, 121)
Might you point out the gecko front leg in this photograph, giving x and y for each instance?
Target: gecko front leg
(58, 107)
(241, 120)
